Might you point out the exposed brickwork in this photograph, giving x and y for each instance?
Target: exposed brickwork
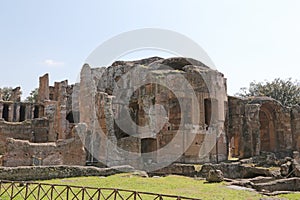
(262, 124)
(61, 152)
(240, 127)
(97, 89)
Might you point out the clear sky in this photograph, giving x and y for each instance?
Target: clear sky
(247, 40)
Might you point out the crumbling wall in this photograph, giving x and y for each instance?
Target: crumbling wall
(251, 137)
(295, 121)
(47, 120)
(20, 111)
(278, 126)
(145, 102)
(34, 131)
(43, 91)
(236, 111)
(261, 124)
(62, 152)
(57, 101)
(16, 95)
(30, 173)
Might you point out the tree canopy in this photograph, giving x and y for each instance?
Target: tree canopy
(5, 93)
(285, 91)
(32, 98)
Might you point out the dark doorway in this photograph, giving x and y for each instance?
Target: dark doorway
(149, 145)
(5, 112)
(208, 111)
(22, 113)
(36, 112)
(70, 117)
(148, 149)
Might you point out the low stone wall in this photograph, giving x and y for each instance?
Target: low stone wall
(290, 184)
(31, 173)
(32, 130)
(230, 170)
(238, 170)
(62, 152)
(177, 169)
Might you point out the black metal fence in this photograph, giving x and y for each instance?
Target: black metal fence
(10, 190)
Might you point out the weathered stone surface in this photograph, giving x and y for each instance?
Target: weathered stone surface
(16, 95)
(223, 125)
(61, 152)
(295, 121)
(270, 186)
(295, 168)
(290, 184)
(230, 170)
(43, 91)
(140, 174)
(34, 131)
(285, 169)
(238, 170)
(215, 176)
(176, 168)
(261, 124)
(29, 173)
(155, 105)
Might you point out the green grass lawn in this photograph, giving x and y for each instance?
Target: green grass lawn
(173, 185)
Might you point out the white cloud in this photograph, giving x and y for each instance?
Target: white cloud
(53, 63)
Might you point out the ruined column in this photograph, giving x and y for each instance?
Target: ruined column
(43, 92)
(17, 112)
(32, 107)
(87, 105)
(62, 110)
(295, 125)
(50, 113)
(251, 130)
(1, 109)
(28, 111)
(15, 95)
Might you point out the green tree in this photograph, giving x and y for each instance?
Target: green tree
(285, 91)
(6, 93)
(32, 98)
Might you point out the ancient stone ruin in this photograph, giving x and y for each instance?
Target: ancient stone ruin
(41, 133)
(129, 112)
(152, 92)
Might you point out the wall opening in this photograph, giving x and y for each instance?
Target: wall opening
(207, 111)
(148, 149)
(148, 145)
(210, 111)
(70, 117)
(5, 112)
(36, 112)
(22, 113)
